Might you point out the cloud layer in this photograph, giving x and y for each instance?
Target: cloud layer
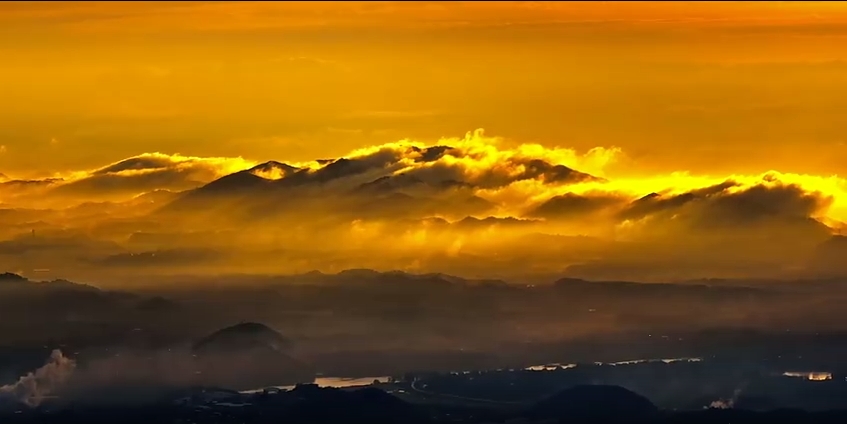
(122, 180)
(460, 204)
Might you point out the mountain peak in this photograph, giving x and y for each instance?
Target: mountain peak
(236, 181)
(273, 170)
(578, 403)
(8, 277)
(245, 335)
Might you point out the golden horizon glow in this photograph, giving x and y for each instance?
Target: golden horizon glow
(671, 124)
(704, 87)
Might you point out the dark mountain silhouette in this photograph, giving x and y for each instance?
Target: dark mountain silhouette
(30, 183)
(62, 284)
(11, 278)
(391, 183)
(156, 304)
(553, 173)
(54, 286)
(596, 404)
(247, 356)
(307, 404)
(246, 335)
(573, 205)
(238, 182)
(405, 181)
(273, 167)
(828, 258)
(576, 286)
(364, 186)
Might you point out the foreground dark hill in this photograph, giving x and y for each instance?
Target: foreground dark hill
(247, 356)
(596, 404)
(308, 404)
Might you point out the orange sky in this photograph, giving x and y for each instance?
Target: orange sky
(708, 88)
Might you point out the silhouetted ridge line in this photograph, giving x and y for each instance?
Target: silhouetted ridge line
(8, 277)
(245, 335)
(596, 404)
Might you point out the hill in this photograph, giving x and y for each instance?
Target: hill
(596, 404)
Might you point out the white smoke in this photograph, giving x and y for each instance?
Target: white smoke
(34, 387)
(722, 404)
(726, 403)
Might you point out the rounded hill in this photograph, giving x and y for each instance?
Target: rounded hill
(243, 336)
(596, 404)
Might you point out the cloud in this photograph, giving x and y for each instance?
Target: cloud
(765, 228)
(474, 174)
(148, 172)
(730, 205)
(475, 160)
(121, 180)
(455, 171)
(386, 201)
(453, 177)
(656, 203)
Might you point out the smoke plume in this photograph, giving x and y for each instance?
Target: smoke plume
(34, 387)
(726, 403)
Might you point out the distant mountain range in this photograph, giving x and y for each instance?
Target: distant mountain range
(372, 185)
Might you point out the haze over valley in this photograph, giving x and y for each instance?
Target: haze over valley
(416, 212)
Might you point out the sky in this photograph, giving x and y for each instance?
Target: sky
(672, 124)
(709, 88)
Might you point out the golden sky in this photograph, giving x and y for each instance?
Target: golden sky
(709, 88)
(712, 133)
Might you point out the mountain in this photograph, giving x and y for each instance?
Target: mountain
(11, 278)
(20, 184)
(273, 170)
(408, 183)
(155, 196)
(156, 304)
(628, 289)
(233, 184)
(573, 205)
(386, 183)
(243, 336)
(828, 258)
(247, 356)
(596, 404)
